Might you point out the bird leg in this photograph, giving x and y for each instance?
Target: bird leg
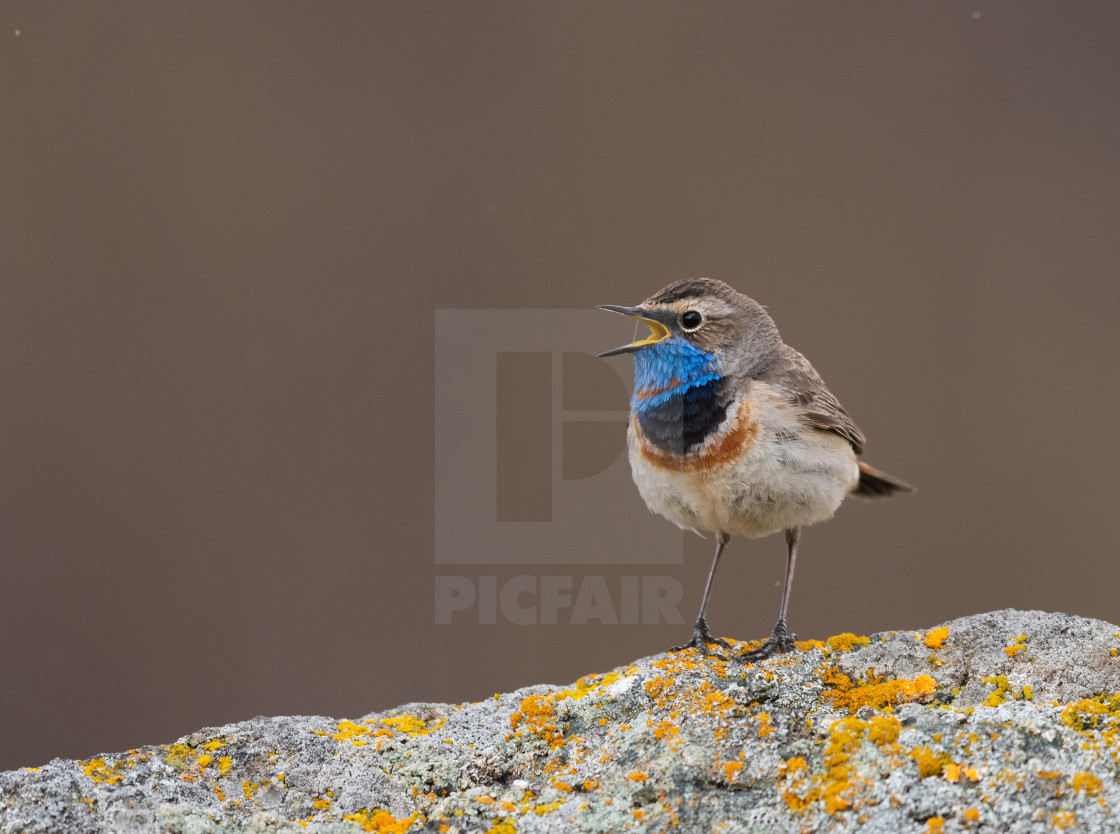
(701, 636)
(779, 641)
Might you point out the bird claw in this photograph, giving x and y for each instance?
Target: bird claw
(779, 642)
(701, 638)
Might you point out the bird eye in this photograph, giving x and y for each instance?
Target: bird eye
(691, 320)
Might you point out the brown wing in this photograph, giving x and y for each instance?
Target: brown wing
(794, 377)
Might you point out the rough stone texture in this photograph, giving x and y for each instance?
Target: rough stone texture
(1002, 722)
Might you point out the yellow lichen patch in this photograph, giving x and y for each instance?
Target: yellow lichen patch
(1003, 691)
(536, 712)
(538, 716)
(883, 729)
(224, 763)
(213, 745)
(637, 776)
(1086, 783)
(1017, 646)
(731, 770)
(665, 729)
(591, 683)
(321, 803)
(794, 765)
(349, 731)
(99, 771)
(875, 692)
(1100, 713)
(837, 643)
(996, 698)
(936, 637)
(404, 724)
(846, 642)
(972, 815)
(692, 699)
(1062, 820)
(181, 756)
(837, 787)
(806, 645)
(381, 822)
(952, 772)
(502, 827)
(929, 763)
(203, 761)
(764, 728)
(934, 824)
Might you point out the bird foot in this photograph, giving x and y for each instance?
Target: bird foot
(701, 638)
(778, 643)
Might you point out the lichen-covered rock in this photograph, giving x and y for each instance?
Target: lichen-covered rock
(1002, 722)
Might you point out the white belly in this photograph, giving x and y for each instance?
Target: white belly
(787, 476)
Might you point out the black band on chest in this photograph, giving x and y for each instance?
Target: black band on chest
(684, 421)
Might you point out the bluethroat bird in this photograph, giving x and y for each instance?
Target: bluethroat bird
(732, 431)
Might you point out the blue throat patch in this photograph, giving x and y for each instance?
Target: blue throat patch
(679, 398)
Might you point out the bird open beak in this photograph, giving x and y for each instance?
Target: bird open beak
(658, 331)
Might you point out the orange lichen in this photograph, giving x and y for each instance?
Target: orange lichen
(764, 728)
(538, 716)
(837, 787)
(936, 637)
(1017, 646)
(1100, 713)
(883, 729)
(845, 642)
(637, 776)
(1063, 820)
(665, 729)
(731, 770)
(1086, 783)
(929, 763)
(381, 822)
(972, 815)
(876, 692)
(99, 771)
(934, 824)
(794, 765)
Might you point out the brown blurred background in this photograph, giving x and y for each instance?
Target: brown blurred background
(226, 227)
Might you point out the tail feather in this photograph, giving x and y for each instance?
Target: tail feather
(876, 484)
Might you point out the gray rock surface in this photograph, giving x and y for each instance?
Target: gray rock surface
(1001, 722)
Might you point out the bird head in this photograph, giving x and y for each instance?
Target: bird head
(699, 326)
